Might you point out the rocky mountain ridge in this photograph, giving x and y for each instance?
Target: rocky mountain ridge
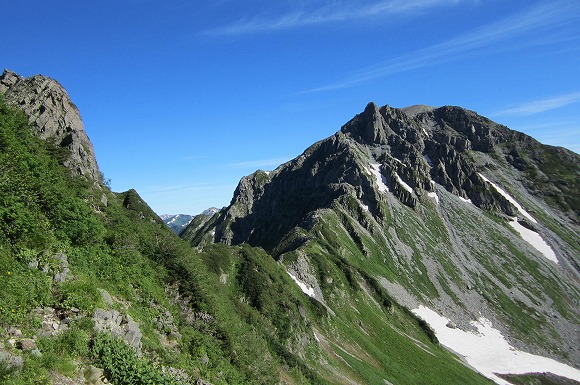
(413, 154)
(53, 117)
(437, 204)
(176, 222)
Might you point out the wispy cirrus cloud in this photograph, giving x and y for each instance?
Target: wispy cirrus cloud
(538, 106)
(537, 21)
(329, 13)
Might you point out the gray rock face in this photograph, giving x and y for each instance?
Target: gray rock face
(53, 117)
(10, 361)
(119, 325)
(27, 345)
(415, 151)
(64, 272)
(94, 375)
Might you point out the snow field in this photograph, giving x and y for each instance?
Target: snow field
(434, 196)
(535, 240)
(402, 183)
(488, 352)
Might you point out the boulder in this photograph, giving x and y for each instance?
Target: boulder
(118, 325)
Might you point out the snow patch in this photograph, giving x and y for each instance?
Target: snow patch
(397, 160)
(466, 200)
(309, 291)
(535, 240)
(316, 338)
(509, 198)
(429, 161)
(380, 178)
(528, 235)
(402, 183)
(488, 351)
(434, 196)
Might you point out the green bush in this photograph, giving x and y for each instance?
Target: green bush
(122, 366)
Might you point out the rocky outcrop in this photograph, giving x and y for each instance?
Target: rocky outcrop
(10, 362)
(54, 117)
(53, 321)
(55, 266)
(119, 325)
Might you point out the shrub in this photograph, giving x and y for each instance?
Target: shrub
(122, 366)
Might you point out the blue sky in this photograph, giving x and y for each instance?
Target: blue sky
(183, 98)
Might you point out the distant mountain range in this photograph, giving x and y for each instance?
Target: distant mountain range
(177, 222)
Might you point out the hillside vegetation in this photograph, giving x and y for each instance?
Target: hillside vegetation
(112, 242)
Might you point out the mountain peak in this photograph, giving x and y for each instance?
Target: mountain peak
(416, 109)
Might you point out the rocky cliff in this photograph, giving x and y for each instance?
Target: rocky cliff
(53, 117)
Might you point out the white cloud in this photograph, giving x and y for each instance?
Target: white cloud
(543, 105)
(333, 12)
(541, 18)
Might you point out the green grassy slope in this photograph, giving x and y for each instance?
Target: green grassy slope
(116, 243)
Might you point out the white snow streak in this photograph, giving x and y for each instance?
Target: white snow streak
(489, 352)
(397, 160)
(434, 196)
(509, 198)
(535, 240)
(309, 291)
(381, 180)
(402, 183)
(466, 200)
(528, 235)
